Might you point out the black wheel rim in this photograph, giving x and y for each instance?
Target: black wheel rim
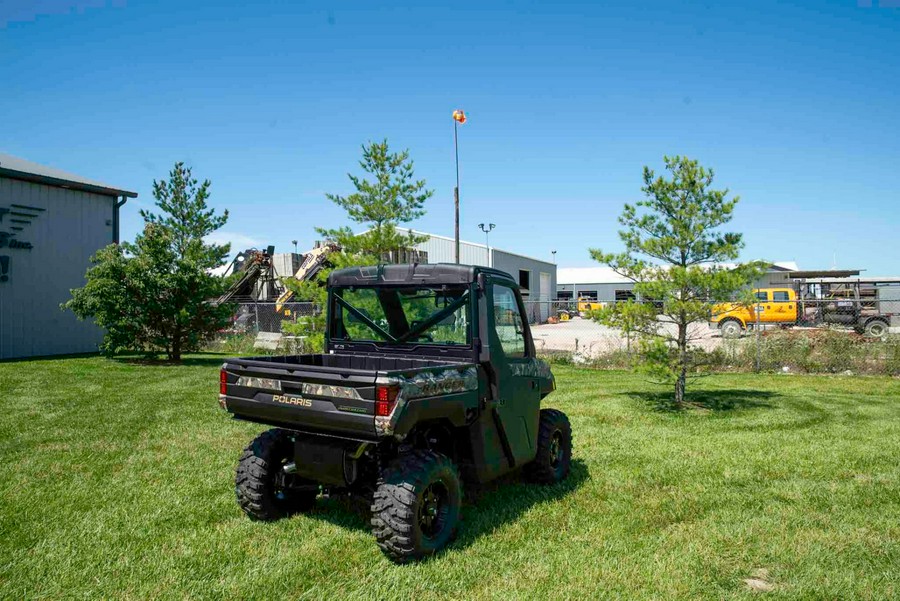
(433, 509)
(556, 450)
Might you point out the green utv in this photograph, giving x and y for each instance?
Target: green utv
(428, 380)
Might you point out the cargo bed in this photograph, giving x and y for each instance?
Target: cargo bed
(321, 393)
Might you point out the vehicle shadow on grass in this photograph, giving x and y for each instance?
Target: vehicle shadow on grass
(494, 505)
(709, 400)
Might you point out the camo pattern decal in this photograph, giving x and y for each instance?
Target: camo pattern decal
(326, 390)
(533, 368)
(331, 391)
(426, 384)
(262, 383)
(448, 381)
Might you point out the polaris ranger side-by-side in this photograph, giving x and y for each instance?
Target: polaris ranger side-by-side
(428, 380)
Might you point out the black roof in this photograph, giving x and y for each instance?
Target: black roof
(437, 273)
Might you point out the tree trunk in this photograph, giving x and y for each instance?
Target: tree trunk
(175, 353)
(680, 385)
(681, 381)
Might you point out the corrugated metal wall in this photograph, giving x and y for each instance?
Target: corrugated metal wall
(539, 290)
(605, 292)
(73, 226)
(442, 250)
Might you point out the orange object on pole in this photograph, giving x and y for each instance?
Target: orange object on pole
(459, 117)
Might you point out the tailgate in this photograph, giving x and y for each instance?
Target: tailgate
(308, 398)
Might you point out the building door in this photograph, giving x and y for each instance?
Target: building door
(544, 295)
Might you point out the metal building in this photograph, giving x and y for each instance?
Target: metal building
(51, 222)
(537, 278)
(604, 284)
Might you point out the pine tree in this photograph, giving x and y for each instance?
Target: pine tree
(388, 196)
(679, 262)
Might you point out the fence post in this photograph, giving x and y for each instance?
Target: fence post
(256, 314)
(757, 307)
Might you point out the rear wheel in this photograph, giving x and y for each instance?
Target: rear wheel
(730, 328)
(265, 489)
(554, 455)
(416, 508)
(876, 328)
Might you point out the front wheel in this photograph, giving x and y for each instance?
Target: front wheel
(730, 329)
(554, 454)
(416, 507)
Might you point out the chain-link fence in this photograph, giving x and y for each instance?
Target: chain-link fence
(806, 335)
(251, 318)
(258, 328)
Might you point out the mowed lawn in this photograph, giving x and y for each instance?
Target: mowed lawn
(116, 482)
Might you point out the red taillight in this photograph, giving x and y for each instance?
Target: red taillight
(223, 382)
(385, 397)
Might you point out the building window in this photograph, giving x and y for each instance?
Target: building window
(624, 295)
(524, 281)
(591, 294)
(564, 295)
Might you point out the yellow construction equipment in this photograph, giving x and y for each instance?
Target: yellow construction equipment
(312, 264)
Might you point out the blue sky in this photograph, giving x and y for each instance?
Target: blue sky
(795, 105)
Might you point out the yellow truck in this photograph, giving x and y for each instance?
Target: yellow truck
(774, 305)
(842, 305)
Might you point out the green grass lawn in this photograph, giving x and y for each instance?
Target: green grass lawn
(116, 481)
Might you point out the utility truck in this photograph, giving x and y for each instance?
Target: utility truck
(428, 383)
(866, 308)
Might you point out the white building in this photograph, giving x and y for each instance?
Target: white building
(604, 284)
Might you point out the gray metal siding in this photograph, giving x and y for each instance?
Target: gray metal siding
(73, 226)
(512, 263)
(442, 250)
(605, 291)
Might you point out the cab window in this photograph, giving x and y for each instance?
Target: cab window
(508, 322)
(780, 296)
(762, 295)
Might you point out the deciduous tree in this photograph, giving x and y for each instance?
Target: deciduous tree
(151, 295)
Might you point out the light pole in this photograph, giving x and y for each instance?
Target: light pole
(487, 241)
(553, 252)
(294, 242)
(459, 117)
